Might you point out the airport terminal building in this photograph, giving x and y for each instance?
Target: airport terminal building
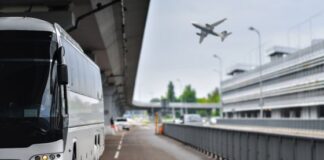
(292, 86)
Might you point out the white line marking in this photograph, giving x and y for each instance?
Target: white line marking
(116, 155)
(119, 147)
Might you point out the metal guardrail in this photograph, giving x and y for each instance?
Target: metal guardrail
(242, 145)
(307, 124)
(177, 105)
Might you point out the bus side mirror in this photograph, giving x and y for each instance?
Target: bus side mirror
(62, 71)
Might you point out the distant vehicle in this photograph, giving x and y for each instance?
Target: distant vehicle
(213, 120)
(51, 100)
(177, 121)
(122, 123)
(192, 119)
(127, 116)
(209, 29)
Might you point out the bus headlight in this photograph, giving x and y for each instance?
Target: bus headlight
(52, 156)
(45, 157)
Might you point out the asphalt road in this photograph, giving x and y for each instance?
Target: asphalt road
(140, 143)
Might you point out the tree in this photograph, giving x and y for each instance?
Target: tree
(155, 100)
(202, 112)
(214, 96)
(202, 100)
(170, 95)
(215, 113)
(188, 94)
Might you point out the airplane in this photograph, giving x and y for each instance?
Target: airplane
(209, 29)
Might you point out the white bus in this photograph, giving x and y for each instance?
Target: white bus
(51, 100)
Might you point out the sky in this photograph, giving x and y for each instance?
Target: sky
(171, 52)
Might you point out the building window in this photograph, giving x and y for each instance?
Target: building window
(230, 115)
(267, 114)
(248, 114)
(321, 111)
(242, 114)
(297, 112)
(285, 113)
(255, 114)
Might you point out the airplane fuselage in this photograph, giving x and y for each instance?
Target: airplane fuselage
(203, 28)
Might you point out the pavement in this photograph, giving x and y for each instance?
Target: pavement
(141, 143)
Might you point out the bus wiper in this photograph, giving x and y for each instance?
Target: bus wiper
(36, 127)
(40, 130)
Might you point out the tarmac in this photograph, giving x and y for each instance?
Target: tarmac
(141, 143)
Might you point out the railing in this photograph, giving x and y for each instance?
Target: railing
(188, 105)
(306, 124)
(244, 145)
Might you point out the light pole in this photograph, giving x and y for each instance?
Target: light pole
(260, 71)
(152, 109)
(181, 99)
(220, 82)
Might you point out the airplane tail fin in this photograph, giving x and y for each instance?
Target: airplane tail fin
(224, 35)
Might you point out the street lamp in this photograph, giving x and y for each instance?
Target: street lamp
(260, 70)
(220, 82)
(152, 109)
(181, 99)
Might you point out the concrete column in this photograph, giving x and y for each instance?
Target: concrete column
(181, 111)
(111, 108)
(306, 113)
(313, 112)
(276, 114)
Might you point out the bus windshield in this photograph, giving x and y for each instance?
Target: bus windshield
(25, 98)
(22, 89)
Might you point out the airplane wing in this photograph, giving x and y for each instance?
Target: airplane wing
(202, 36)
(218, 23)
(201, 39)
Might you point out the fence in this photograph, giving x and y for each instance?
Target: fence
(242, 145)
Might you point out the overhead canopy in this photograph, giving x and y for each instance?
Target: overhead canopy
(112, 37)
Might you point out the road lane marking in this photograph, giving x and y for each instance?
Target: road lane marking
(119, 147)
(116, 155)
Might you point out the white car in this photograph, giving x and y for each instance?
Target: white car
(177, 121)
(213, 120)
(192, 119)
(122, 123)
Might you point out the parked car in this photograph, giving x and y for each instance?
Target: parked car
(122, 123)
(213, 120)
(178, 121)
(192, 119)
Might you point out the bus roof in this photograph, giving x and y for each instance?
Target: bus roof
(25, 23)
